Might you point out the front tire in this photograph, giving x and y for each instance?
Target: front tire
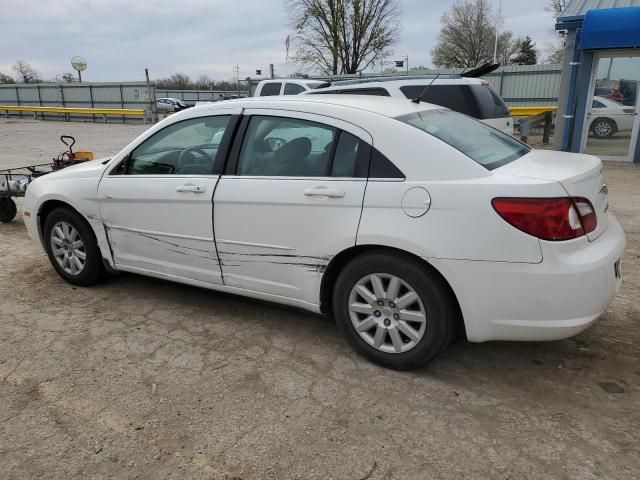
(72, 247)
(393, 310)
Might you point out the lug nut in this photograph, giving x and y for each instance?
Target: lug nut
(387, 322)
(377, 313)
(396, 316)
(392, 305)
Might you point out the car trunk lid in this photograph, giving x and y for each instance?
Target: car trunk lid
(580, 176)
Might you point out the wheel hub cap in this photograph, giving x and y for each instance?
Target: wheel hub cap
(387, 313)
(68, 248)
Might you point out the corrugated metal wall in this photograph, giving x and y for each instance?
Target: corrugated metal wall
(84, 95)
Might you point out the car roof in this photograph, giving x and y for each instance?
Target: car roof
(386, 106)
(403, 82)
(305, 81)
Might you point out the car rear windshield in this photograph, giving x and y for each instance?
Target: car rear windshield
(478, 101)
(481, 143)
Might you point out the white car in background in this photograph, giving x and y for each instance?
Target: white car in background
(170, 105)
(403, 221)
(286, 86)
(471, 96)
(610, 117)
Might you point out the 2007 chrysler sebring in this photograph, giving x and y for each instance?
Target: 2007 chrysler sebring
(403, 221)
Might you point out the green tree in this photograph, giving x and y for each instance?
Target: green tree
(343, 36)
(527, 54)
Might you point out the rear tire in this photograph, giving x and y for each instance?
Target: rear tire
(72, 247)
(8, 209)
(603, 127)
(393, 310)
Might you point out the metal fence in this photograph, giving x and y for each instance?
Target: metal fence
(81, 95)
(192, 96)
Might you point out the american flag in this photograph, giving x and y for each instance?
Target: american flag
(287, 44)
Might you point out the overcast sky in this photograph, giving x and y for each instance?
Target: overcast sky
(119, 38)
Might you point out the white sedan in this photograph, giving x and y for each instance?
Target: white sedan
(405, 222)
(609, 117)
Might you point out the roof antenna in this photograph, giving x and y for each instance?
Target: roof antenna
(418, 99)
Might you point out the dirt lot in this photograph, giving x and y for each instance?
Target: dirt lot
(140, 378)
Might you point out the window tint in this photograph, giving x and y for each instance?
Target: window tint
(455, 97)
(478, 101)
(292, 89)
(485, 145)
(184, 148)
(380, 92)
(278, 146)
(382, 167)
(270, 89)
(490, 105)
(597, 104)
(346, 155)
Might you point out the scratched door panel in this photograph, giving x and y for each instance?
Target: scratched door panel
(153, 226)
(273, 238)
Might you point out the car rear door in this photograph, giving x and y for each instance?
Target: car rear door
(290, 199)
(156, 205)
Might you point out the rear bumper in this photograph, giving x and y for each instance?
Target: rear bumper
(557, 298)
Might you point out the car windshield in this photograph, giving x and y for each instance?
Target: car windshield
(481, 143)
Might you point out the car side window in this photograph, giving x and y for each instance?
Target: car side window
(188, 147)
(597, 104)
(270, 89)
(345, 156)
(292, 88)
(280, 146)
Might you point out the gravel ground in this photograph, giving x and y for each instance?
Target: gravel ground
(141, 378)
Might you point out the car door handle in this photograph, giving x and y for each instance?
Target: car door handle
(191, 188)
(324, 192)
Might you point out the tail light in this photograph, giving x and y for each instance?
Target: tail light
(560, 218)
(629, 110)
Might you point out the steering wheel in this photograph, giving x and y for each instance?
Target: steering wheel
(182, 160)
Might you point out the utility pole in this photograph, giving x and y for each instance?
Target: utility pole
(236, 69)
(272, 74)
(152, 98)
(498, 24)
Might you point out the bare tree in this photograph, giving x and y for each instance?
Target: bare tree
(343, 36)
(177, 81)
(26, 72)
(68, 77)
(467, 35)
(204, 82)
(508, 47)
(6, 78)
(556, 7)
(555, 50)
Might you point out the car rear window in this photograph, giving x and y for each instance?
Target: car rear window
(478, 101)
(481, 143)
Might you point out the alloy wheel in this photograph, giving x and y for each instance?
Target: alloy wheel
(68, 248)
(387, 313)
(602, 129)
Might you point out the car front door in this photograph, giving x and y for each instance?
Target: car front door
(156, 204)
(290, 199)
